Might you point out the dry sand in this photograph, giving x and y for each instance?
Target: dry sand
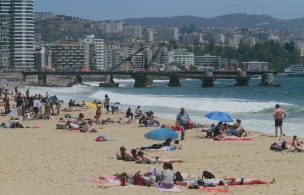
(49, 161)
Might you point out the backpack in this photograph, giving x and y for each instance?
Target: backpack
(275, 147)
(208, 175)
(178, 177)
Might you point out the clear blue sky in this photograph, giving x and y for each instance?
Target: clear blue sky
(115, 9)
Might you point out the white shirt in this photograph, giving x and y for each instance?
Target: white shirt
(37, 103)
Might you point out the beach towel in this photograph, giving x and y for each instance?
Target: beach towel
(216, 190)
(13, 112)
(236, 139)
(91, 105)
(175, 189)
(109, 181)
(101, 138)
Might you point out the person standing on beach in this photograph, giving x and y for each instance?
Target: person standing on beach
(107, 103)
(182, 119)
(278, 116)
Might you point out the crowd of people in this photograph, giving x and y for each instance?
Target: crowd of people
(221, 130)
(30, 106)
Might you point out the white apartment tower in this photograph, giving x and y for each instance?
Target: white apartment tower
(95, 53)
(19, 21)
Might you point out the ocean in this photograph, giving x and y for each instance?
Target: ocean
(252, 104)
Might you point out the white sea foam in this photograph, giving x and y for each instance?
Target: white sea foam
(192, 103)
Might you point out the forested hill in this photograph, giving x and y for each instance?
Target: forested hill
(229, 20)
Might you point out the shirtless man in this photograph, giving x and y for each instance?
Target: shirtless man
(278, 116)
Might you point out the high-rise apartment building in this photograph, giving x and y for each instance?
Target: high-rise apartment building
(170, 33)
(4, 43)
(68, 55)
(96, 52)
(17, 18)
(135, 32)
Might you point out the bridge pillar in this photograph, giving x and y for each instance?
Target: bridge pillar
(174, 81)
(242, 79)
(141, 80)
(111, 79)
(208, 80)
(267, 80)
(42, 79)
(109, 83)
(79, 79)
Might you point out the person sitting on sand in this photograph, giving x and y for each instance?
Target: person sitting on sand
(237, 129)
(166, 177)
(80, 118)
(158, 146)
(218, 131)
(86, 127)
(295, 145)
(138, 112)
(147, 159)
(129, 114)
(124, 155)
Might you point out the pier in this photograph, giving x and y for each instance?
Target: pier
(242, 78)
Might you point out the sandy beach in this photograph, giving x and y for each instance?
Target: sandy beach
(45, 160)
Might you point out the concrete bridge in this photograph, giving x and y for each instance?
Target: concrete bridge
(141, 78)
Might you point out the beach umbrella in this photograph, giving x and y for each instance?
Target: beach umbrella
(219, 116)
(161, 134)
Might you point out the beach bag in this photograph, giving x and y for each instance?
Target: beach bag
(177, 177)
(139, 180)
(190, 124)
(208, 175)
(275, 147)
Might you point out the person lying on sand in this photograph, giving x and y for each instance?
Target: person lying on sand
(157, 146)
(125, 156)
(147, 159)
(175, 146)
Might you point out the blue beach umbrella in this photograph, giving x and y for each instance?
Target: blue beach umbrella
(219, 116)
(161, 134)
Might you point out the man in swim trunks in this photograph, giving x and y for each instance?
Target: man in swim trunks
(278, 116)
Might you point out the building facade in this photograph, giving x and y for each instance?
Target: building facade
(135, 32)
(4, 42)
(169, 34)
(97, 54)
(18, 16)
(68, 55)
(256, 66)
(182, 57)
(207, 61)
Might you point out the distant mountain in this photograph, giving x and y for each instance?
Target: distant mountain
(229, 20)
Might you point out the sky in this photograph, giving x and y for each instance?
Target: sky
(119, 9)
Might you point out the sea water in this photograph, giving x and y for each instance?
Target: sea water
(252, 104)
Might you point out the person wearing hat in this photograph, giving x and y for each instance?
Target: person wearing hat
(279, 115)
